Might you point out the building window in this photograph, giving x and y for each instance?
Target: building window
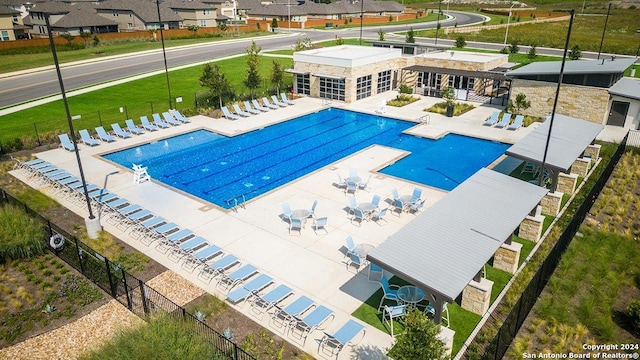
(227, 4)
(4, 35)
(332, 89)
(302, 84)
(203, 23)
(206, 12)
(15, 18)
(363, 87)
(129, 26)
(115, 13)
(384, 81)
(41, 28)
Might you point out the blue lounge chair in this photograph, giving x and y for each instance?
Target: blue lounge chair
(356, 260)
(247, 105)
(284, 316)
(87, 139)
(243, 273)
(157, 120)
(266, 103)
(146, 124)
(350, 245)
(228, 114)
(313, 320)
(493, 119)
(416, 195)
(255, 285)
(278, 102)
(174, 238)
(341, 338)
(239, 111)
(133, 128)
(218, 267)
(176, 114)
(169, 119)
(66, 143)
(201, 256)
(517, 123)
(119, 132)
(264, 303)
(102, 134)
(506, 119)
(285, 100)
(257, 105)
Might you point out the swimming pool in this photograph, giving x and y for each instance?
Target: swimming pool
(217, 168)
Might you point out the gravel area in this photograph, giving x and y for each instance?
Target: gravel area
(175, 287)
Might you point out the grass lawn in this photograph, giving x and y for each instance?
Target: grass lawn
(339, 24)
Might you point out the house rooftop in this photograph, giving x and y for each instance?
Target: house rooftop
(626, 87)
(463, 56)
(610, 66)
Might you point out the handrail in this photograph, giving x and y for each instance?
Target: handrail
(425, 119)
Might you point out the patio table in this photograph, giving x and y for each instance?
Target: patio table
(408, 199)
(353, 179)
(300, 214)
(361, 250)
(410, 294)
(367, 207)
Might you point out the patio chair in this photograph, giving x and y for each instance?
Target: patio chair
(393, 312)
(389, 292)
(310, 322)
(357, 261)
(353, 205)
(247, 106)
(257, 105)
(157, 120)
(320, 223)
(228, 114)
(87, 139)
(341, 182)
(201, 256)
(399, 206)
(119, 132)
(286, 100)
(102, 134)
(351, 187)
(375, 200)
(415, 207)
(341, 338)
(263, 303)
(169, 119)
(66, 143)
(364, 185)
(530, 168)
(176, 238)
(237, 277)
(375, 270)
(312, 213)
(506, 119)
(133, 128)
(379, 215)
(286, 212)
(239, 111)
(178, 116)
(359, 215)
(255, 285)
(218, 267)
(271, 106)
(146, 124)
(350, 245)
(517, 123)
(285, 316)
(295, 224)
(431, 312)
(394, 193)
(278, 102)
(416, 195)
(353, 173)
(493, 119)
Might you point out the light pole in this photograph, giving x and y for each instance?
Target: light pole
(92, 223)
(506, 33)
(604, 30)
(361, 16)
(438, 22)
(289, 13)
(164, 52)
(555, 101)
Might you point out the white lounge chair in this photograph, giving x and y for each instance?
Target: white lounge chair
(278, 102)
(102, 134)
(247, 105)
(506, 119)
(228, 114)
(257, 105)
(239, 111)
(492, 120)
(517, 123)
(266, 103)
(87, 139)
(119, 131)
(285, 100)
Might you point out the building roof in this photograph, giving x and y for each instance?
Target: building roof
(626, 87)
(5, 10)
(346, 56)
(51, 8)
(443, 248)
(189, 5)
(569, 139)
(495, 75)
(145, 9)
(619, 65)
(82, 18)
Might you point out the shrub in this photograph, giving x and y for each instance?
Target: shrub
(633, 312)
(514, 47)
(461, 42)
(575, 53)
(405, 89)
(21, 236)
(532, 52)
(420, 339)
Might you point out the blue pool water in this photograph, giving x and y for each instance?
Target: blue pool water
(217, 168)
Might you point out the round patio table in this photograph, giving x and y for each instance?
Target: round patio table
(408, 199)
(410, 294)
(367, 207)
(300, 214)
(362, 250)
(353, 179)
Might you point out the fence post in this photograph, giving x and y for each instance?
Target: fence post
(126, 112)
(112, 286)
(35, 127)
(145, 305)
(99, 118)
(151, 102)
(79, 253)
(126, 289)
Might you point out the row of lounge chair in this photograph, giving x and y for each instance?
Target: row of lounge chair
(171, 118)
(255, 108)
(505, 122)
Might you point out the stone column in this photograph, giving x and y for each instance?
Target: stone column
(567, 183)
(476, 296)
(593, 151)
(580, 167)
(507, 257)
(531, 227)
(551, 203)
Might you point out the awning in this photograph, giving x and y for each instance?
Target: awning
(472, 74)
(569, 139)
(297, 72)
(334, 77)
(445, 247)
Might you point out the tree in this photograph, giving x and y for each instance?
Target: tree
(461, 42)
(68, 37)
(216, 82)
(252, 80)
(277, 75)
(410, 36)
(223, 26)
(96, 40)
(339, 41)
(514, 47)
(420, 339)
(575, 53)
(193, 28)
(274, 23)
(85, 35)
(381, 35)
(520, 104)
(532, 52)
(301, 45)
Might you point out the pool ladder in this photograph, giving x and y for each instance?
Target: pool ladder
(424, 119)
(236, 202)
(326, 102)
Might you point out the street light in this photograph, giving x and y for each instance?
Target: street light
(164, 53)
(438, 22)
(604, 30)
(361, 16)
(289, 13)
(506, 33)
(555, 101)
(92, 223)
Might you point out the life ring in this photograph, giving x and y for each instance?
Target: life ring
(56, 241)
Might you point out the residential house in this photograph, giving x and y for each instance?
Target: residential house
(226, 9)
(72, 19)
(196, 13)
(7, 16)
(139, 14)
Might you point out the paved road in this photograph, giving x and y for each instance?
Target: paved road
(41, 83)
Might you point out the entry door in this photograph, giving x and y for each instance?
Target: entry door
(618, 113)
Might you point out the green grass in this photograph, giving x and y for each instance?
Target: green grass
(139, 97)
(339, 24)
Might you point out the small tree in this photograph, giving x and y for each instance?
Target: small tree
(515, 46)
(85, 35)
(96, 40)
(277, 75)
(258, 25)
(301, 45)
(216, 82)
(520, 104)
(381, 35)
(339, 41)
(193, 28)
(532, 52)
(575, 53)
(461, 42)
(68, 37)
(390, 18)
(223, 26)
(252, 80)
(410, 36)
(274, 23)
(449, 96)
(419, 340)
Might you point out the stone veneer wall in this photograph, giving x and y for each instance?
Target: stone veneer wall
(476, 296)
(567, 183)
(531, 227)
(580, 167)
(582, 102)
(507, 257)
(551, 203)
(593, 151)
(460, 64)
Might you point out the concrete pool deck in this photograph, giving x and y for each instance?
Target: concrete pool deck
(312, 265)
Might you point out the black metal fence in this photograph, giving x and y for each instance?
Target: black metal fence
(130, 291)
(514, 320)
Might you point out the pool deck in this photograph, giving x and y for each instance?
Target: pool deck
(313, 265)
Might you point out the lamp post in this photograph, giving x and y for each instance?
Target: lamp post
(555, 101)
(604, 30)
(92, 223)
(361, 16)
(438, 21)
(289, 13)
(164, 52)
(506, 33)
